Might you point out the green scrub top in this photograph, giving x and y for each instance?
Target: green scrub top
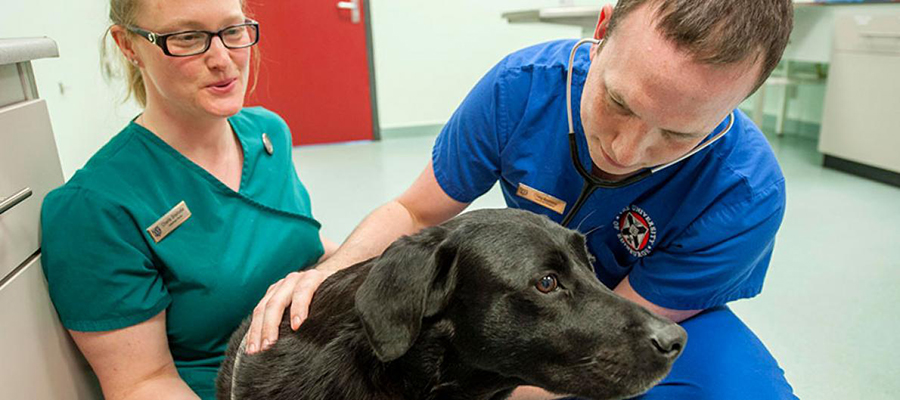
(105, 271)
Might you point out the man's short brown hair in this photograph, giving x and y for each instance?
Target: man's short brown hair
(720, 31)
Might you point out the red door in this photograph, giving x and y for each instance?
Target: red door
(315, 68)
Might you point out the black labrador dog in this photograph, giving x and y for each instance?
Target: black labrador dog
(470, 309)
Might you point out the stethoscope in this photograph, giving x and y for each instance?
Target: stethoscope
(591, 182)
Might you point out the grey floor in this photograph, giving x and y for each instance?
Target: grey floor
(828, 310)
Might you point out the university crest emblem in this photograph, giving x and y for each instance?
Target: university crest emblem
(636, 230)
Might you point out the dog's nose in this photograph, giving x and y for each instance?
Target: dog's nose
(669, 340)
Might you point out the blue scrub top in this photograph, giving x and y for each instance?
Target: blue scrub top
(105, 270)
(693, 236)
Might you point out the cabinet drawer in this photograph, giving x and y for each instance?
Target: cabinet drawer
(28, 159)
(40, 360)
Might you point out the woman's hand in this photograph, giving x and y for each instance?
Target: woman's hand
(296, 290)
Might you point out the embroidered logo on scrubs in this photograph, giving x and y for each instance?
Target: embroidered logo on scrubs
(636, 230)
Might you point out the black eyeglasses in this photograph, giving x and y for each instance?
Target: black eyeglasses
(191, 43)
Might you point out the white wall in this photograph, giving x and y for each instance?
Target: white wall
(84, 109)
(429, 53)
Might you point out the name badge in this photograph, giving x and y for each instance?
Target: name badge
(165, 225)
(536, 196)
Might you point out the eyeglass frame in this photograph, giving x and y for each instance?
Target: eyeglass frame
(160, 39)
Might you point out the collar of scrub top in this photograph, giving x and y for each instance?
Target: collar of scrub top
(592, 182)
(267, 143)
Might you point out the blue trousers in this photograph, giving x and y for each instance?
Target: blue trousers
(723, 359)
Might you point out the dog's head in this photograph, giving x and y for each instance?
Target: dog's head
(523, 301)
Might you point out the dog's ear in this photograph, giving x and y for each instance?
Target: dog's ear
(414, 278)
(578, 242)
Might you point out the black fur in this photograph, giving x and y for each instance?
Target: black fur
(453, 312)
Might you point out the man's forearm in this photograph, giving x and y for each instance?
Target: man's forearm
(377, 231)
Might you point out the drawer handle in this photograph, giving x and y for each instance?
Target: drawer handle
(13, 200)
(880, 35)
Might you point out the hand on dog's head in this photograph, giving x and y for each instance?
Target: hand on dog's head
(520, 294)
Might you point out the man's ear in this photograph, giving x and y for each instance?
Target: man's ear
(602, 22)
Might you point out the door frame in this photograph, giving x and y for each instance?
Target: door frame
(367, 17)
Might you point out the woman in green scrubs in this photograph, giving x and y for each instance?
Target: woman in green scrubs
(164, 242)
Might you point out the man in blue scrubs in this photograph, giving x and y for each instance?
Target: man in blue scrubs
(682, 242)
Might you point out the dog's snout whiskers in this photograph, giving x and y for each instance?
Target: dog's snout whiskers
(593, 230)
(578, 228)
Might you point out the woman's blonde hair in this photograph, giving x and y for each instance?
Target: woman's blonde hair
(124, 13)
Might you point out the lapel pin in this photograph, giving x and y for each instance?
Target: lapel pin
(268, 144)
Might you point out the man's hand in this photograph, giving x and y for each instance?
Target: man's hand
(532, 393)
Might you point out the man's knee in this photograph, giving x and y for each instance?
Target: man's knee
(723, 359)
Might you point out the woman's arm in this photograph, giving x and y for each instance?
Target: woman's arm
(134, 362)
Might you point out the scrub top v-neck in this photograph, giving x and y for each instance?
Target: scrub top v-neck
(142, 229)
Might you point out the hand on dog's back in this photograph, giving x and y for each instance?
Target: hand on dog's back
(424, 204)
(296, 290)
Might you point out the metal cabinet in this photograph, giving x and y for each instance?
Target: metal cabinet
(861, 121)
(39, 358)
(30, 168)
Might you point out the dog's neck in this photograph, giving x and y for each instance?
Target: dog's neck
(446, 376)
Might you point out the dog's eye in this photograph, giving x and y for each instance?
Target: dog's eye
(547, 284)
